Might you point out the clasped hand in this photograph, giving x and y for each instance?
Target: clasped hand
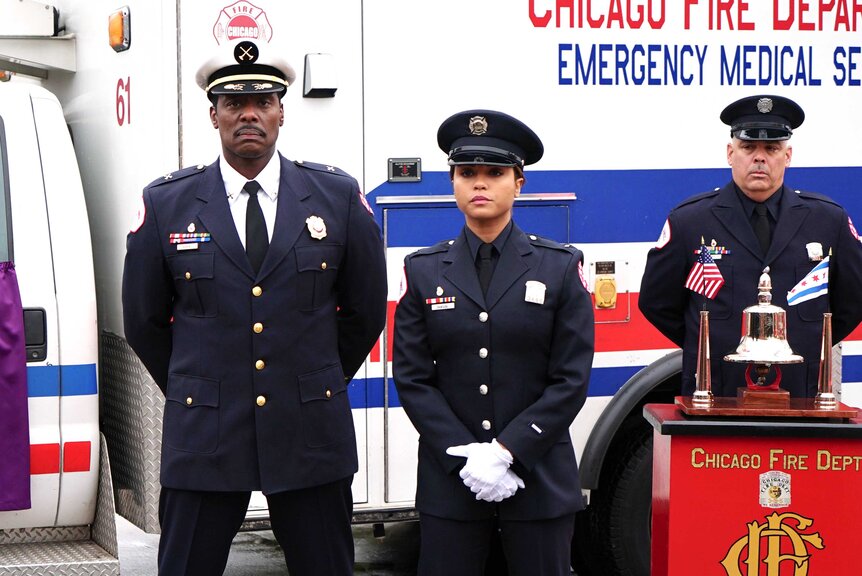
(487, 472)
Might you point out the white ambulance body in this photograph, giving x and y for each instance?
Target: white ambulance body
(45, 234)
(625, 96)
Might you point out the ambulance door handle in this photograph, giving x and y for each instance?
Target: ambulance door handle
(35, 334)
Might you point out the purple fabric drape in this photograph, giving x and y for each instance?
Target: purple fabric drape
(14, 421)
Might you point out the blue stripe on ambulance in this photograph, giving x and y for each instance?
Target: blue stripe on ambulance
(605, 198)
(76, 380)
(369, 393)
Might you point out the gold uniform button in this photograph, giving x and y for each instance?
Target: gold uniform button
(258, 327)
(329, 393)
(188, 275)
(260, 364)
(189, 401)
(323, 265)
(486, 425)
(256, 291)
(261, 400)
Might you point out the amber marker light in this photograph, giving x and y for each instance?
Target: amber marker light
(120, 29)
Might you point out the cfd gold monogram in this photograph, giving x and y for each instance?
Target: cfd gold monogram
(769, 537)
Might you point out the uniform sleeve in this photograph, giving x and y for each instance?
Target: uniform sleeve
(541, 425)
(147, 297)
(416, 380)
(845, 282)
(361, 288)
(663, 294)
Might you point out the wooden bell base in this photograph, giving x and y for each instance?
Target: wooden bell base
(737, 407)
(750, 397)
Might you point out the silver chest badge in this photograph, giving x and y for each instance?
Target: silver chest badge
(535, 292)
(815, 251)
(316, 227)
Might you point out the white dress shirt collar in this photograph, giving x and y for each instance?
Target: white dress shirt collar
(268, 178)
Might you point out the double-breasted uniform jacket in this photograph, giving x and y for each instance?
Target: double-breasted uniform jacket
(470, 368)
(255, 367)
(718, 216)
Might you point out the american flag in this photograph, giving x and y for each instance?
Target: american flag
(705, 277)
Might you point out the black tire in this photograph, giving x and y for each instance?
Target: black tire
(612, 536)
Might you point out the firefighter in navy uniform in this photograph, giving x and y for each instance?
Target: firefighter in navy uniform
(492, 354)
(253, 290)
(753, 222)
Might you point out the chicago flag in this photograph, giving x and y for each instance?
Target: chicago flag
(815, 284)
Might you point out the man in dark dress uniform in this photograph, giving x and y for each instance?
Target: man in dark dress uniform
(492, 355)
(753, 222)
(253, 290)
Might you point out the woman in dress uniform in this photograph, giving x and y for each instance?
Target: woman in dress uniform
(492, 354)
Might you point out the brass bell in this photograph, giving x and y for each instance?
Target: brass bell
(764, 328)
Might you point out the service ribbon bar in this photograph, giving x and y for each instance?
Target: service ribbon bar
(189, 237)
(440, 300)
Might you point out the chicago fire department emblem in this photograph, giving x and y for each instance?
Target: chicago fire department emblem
(765, 548)
(242, 20)
(775, 489)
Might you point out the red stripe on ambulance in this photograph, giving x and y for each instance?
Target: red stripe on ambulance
(45, 458)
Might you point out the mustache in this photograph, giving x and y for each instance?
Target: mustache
(758, 167)
(249, 128)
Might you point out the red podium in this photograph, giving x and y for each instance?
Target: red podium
(755, 496)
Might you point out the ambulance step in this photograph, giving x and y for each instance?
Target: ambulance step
(78, 558)
(67, 550)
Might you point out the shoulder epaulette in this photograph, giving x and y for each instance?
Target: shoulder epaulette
(815, 196)
(178, 175)
(548, 243)
(698, 197)
(328, 168)
(435, 248)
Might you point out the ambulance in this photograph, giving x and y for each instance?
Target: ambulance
(44, 233)
(624, 94)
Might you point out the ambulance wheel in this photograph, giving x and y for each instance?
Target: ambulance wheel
(612, 536)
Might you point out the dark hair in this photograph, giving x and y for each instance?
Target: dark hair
(519, 172)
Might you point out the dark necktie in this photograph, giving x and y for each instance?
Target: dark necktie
(761, 226)
(256, 239)
(486, 265)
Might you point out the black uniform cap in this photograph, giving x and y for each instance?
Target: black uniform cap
(244, 67)
(488, 137)
(763, 117)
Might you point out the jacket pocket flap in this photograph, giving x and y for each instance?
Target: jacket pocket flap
(193, 390)
(191, 266)
(318, 258)
(321, 384)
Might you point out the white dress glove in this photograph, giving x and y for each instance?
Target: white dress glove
(487, 464)
(505, 488)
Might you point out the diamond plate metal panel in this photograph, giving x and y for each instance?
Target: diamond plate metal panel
(41, 535)
(104, 528)
(67, 550)
(57, 559)
(131, 410)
